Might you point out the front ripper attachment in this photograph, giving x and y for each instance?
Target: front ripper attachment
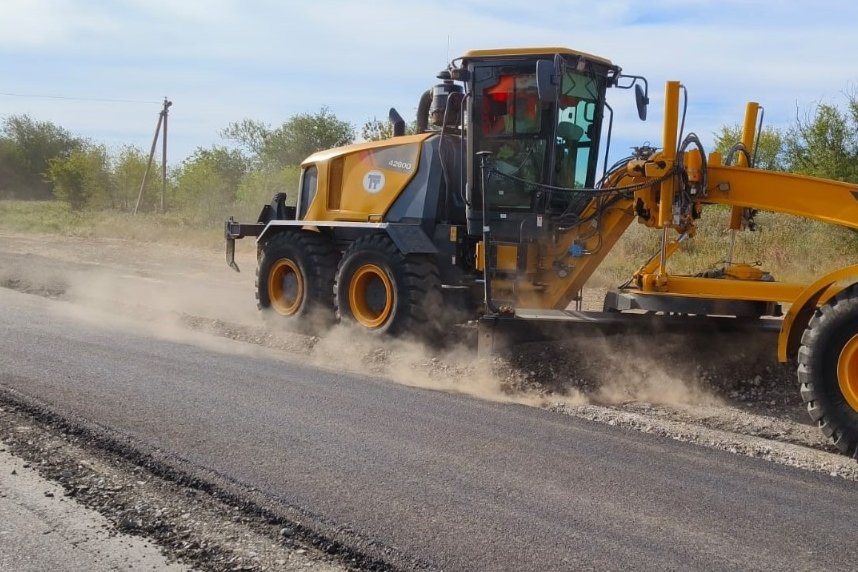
(233, 230)
(230, 245)
(230, 254)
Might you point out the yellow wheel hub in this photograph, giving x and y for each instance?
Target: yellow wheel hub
(371, 296)
(285, 287)
(847, 372)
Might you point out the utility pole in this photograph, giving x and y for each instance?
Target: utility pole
(164, 114)
(162, 119)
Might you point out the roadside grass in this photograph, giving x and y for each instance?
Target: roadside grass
(793, 249)
(790, 247)
(42, 217)
(54, 217)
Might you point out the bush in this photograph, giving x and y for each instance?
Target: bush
(206, 184)
(83, 178)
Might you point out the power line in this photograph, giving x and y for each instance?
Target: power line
(98, 99)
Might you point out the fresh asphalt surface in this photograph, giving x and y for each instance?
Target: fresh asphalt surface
(422, 478)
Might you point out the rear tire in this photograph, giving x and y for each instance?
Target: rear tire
(386, 292)
(294, 277)
(828, 369)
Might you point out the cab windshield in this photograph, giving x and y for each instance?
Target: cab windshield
(535, 142)
(514, 130)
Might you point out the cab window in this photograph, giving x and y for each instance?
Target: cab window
(309, 179)
(576, 117)
(512, 129)
(512, 106)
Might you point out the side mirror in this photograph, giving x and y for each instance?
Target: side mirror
(548, 76)
(642, 100)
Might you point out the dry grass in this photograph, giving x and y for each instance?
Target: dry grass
(792, 248)
(53, 217)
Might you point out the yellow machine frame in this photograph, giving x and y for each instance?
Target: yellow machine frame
(739, 187)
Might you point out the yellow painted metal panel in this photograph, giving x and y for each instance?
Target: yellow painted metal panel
(799, 314)
(726, 289)
(749, 129)
(507, 256)
(671, 121)
(829, 201)
(748, 134)
(347, 149)
(335, 183)
(369, 177)
(480, 257)
(374, 178)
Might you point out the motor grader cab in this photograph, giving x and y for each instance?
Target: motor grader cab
(503, 204)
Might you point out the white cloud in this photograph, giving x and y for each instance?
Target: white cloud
(224, 60)
(29, 24)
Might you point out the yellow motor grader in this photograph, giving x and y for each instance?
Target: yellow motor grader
(503, 204)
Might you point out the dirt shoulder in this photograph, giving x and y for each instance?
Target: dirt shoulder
(43, 529)
(139, 499)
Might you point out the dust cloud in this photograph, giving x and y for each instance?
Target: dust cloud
(412, 363)
(149, 307)
(603, 370)
(181, 304)
(662, 370)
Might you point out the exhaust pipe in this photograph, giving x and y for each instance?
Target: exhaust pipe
(397, 122)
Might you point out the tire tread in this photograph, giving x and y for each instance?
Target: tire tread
(420, 277)
(321, 264)
(835, 419)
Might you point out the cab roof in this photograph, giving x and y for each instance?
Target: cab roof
(547, 51)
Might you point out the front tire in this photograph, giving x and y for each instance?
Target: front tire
(828, 369)
(386, 292)
(294, 278)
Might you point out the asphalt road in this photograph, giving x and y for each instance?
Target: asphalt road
(427, 478)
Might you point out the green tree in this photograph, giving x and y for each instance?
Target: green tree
(825, 143)
(770, 150)
(249, 134)
(304, 134)
(258, 186)
(208, 181)
(83, 178)
(13, 170)
(378, 130)
(297, 138)
(128, 169)
(27, 148)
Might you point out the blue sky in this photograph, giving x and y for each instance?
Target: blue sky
(225, 60)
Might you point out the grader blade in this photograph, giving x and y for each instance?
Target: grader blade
(497, 334)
